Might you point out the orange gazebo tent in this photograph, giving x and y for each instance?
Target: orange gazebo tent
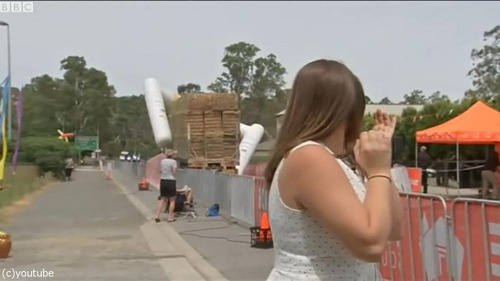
(480, 124)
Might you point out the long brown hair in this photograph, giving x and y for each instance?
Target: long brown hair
(325, 94)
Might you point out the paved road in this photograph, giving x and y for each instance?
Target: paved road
(83, 230)
(225, 245)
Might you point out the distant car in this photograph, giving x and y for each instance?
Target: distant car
(124, 156)
(134, 158)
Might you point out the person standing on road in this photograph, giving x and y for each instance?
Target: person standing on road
(424, 162)
(328, 221)
(68, 168)
(168, 188)
(489, 175)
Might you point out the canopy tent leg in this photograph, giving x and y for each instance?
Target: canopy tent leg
(458, 169)
(416, 154)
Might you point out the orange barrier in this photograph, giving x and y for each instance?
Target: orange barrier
(255, 169)
(415, 175)
(420, 253)
(249, 170)
(445, 240)
(476, 223)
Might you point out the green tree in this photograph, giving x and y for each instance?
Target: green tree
(93, 97)
(485, 73)
(415, 97)
(48, 153)
(188, 88)
(44, 102)
(238, 60)
(437, 97)
(219, 86)
(81, 102)
(368, 100)
(259, 82)
(131, 128)
(267, 81)
(385, 100)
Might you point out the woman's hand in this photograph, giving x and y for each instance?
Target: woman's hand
(385, 123)
(373, 149)
(373, 153)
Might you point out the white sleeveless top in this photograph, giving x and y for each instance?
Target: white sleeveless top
(303, 250)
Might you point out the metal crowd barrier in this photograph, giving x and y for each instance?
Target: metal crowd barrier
(137, 169)
(236, 195)
(476, 224)
(233, 193)
(420, 253)
(443, 240)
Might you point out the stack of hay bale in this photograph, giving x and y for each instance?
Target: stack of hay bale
(205, 129)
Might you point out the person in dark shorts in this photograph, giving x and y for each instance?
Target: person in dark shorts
(168, 188)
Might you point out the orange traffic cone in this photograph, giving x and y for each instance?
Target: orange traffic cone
(265, 227)
(144, 184)
(264, 221)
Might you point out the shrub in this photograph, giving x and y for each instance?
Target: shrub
(48, 153)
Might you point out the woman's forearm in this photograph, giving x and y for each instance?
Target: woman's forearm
(378, 203)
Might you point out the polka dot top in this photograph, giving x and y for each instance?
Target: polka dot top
(304, 250)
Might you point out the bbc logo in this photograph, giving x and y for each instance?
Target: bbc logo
(16, 7)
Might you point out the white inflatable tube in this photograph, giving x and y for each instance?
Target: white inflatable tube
(244, 130)
(251, 136)
(157, 113)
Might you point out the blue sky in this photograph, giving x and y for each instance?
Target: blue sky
(394, 47)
